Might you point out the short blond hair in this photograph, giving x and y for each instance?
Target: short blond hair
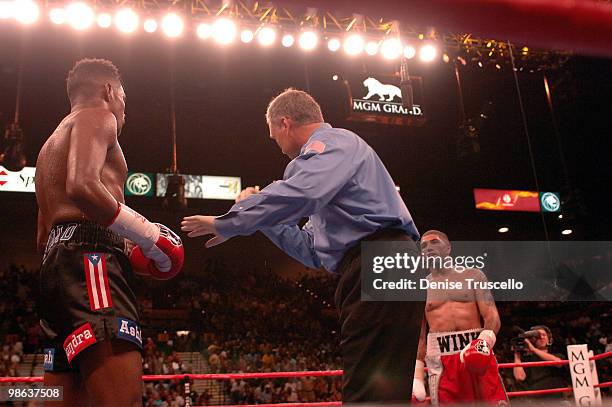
(436, 232)
(295, 104)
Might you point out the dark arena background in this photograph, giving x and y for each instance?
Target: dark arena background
(522, 105)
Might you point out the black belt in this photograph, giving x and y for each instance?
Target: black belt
(82, 232)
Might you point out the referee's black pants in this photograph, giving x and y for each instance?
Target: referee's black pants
(378, 339)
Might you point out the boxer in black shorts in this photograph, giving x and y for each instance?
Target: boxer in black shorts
(85, 289)
(88, 310)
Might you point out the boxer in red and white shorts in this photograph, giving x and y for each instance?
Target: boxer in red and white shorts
(462, 322)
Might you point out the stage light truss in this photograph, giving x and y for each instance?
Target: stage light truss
(254, 15)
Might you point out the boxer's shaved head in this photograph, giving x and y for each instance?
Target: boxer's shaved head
(295, 104)
(88, 76)
(439, 234)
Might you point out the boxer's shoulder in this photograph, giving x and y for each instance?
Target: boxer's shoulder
(474, 273)
(96, 120)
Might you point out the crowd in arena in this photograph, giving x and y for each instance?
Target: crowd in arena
(241, 320)
(275, 325)
(19, 325)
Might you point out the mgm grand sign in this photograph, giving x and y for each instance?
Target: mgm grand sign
(379, 99)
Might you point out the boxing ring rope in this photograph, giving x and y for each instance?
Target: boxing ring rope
(329, 373)
(230, 376)
(313, 404)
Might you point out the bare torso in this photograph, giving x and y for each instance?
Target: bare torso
(452, 310)
(51, 172)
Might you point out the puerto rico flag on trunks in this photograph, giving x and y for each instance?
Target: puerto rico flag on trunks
(97, 281)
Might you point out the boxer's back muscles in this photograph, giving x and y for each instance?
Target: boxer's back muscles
(80, 171)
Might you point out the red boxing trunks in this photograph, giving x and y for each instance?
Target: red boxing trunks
(450, 383)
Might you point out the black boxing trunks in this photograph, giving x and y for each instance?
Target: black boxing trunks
(85, 294)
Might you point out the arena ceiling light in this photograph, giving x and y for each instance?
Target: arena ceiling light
(80, 16)
(224, 31)
(204, 31)
(266, 36)
(409, 52)
(333, 44)
(6, 9)
(150, 25)
(503, 229)
(391, 48)
(288, 40)
(428, 53)
(371, 48)
(308, 40)
(354, 44)
(567, 232)
(57, 16)
(127, 20)
(25, 11)
(246, 36)
(104, 20)
(172, 25)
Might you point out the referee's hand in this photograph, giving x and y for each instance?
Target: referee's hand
(199, 225)
(245, 193)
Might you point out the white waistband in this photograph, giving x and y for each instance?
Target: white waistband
(449, 343)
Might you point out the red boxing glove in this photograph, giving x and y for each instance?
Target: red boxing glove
(155, 243)
(164, 260)
(477, 356)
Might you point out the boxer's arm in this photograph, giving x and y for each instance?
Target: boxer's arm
(41, 234)
(94, 131)
(296, 242)
(311, 181)
(486, 306)
(488, 312)
(418, 380)
(421, 350)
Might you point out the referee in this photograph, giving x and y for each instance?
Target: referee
(338, 182)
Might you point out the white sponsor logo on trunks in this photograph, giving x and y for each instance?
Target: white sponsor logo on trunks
(129, 330)
(59, 234)
(450, 342)
(454, 342)
(49, 359)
